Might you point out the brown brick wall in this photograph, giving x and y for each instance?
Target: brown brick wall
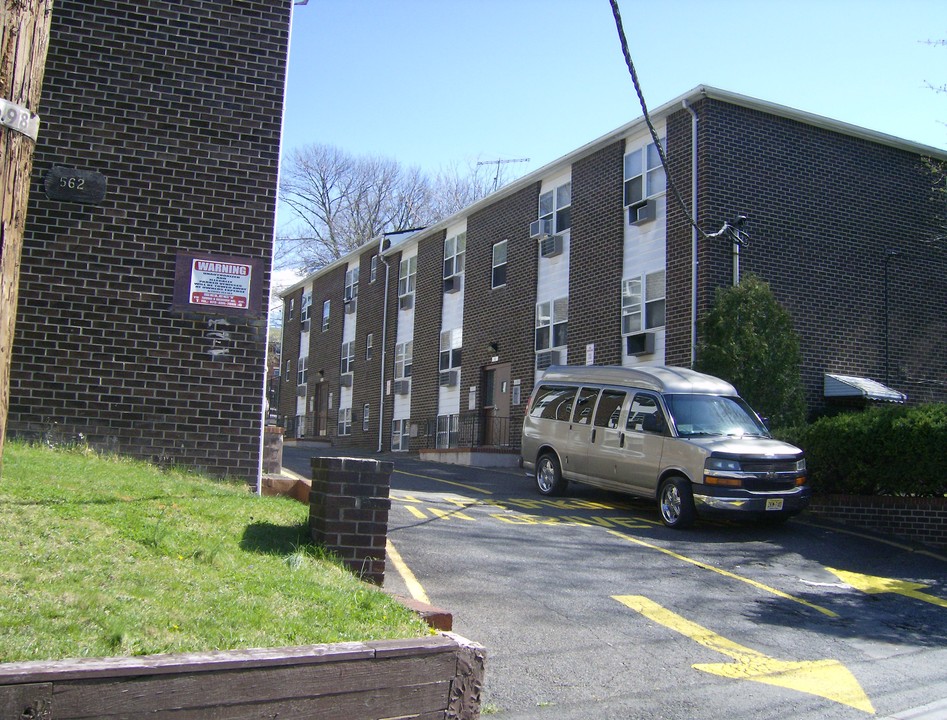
(179, 106)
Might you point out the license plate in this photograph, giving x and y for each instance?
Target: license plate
(774, 504)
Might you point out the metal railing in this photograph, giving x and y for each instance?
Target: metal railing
(471, 429)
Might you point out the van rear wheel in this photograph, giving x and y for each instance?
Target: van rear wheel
(549, 480)
(676, 503)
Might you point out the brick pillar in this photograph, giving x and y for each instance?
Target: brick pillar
(272, 450)
(348, 512)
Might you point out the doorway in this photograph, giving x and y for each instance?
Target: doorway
(495, 417)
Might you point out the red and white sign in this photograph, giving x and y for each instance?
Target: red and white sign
(220, 284)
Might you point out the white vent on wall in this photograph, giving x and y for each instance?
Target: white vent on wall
(539, 229)
(550, 246)
(547, 358)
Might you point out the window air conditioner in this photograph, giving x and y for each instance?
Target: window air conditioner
(550, 246)
(402, 387)
(448, 378)
(452, 284)
(346, 380)
(350, 306)
(641, 212)
(406, 302)
(640, 344)
(539, 229)
(301, 390)
(546, 359)
(304, 326)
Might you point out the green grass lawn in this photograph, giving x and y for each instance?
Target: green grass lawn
(107, 556)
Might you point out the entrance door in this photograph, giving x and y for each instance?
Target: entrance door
(496, 406)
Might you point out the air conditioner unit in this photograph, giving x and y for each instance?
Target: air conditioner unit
(406, 302)
(641, 212)
(452, 284)
(546, 359)
(448, 378)
(346, 380)
(539, 229)
(550, 246)
(301, 390)
(304, 326)
(640, 344)
(402, 387)
(349, 306)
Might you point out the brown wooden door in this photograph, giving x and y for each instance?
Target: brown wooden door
(496, 405)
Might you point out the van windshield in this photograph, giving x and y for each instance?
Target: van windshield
(705, 415)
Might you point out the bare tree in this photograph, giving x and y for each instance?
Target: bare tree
(341, 201)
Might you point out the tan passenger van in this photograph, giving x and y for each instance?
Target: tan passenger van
(683, 438)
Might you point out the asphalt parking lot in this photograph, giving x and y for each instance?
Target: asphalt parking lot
(590, 608)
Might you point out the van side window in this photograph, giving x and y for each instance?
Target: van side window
(609, 409)
(553, 402)
(645, 415)
(584, 405)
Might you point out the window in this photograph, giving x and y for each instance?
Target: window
(451, 342)
(609, 407)
(644, 175)
(645, 415)
(325, 315)
(365, 412)
(400, 435)
(654, 303)
(584, 404)
(403, 360)
(407, 276)
(348, 357)
(556, 205)
(552, 324)
(291, 309)
(345, 421)
(302, 370)
(289, 368)
(369, 340)
(499, 264)
(553, 403)
(304, 307)
(447, 430)
(374, 270)
(454, 250)
(351, 284)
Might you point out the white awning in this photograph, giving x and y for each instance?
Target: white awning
(846, 386)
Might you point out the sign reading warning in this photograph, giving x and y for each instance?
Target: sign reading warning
(220, 284)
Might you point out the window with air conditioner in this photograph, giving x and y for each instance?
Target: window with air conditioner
(451, 342)
(407, 278)
(644, 179)
(555, 206)
(552, 330)
(455, 248)
(642, 311)
(403, 361)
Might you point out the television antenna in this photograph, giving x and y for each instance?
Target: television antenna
(498, 162)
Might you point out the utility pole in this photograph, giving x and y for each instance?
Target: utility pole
(24, 40)
(498, 163)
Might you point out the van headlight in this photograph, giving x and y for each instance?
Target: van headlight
(717, 472)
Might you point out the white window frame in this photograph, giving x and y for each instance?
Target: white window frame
(326, 309)
(366, 411)
(369, 341)
(348, 357)
(556, 205)
(404, 360)
(302, 370)
(400, 435)
(305, 306)
(643, 300)
(407, 276)
(291, 309)
(644, 165)
(373, 275)
(448, 431)
(351, 284)
(345, 421)
(451, 349)
(497, 265)
(552, 316)
(455, 249)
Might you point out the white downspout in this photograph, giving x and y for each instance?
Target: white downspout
(384, 346)
(693, 231)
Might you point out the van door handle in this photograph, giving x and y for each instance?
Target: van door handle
(593, 436)
(621, 440)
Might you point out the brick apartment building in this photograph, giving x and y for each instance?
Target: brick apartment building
(142, 306)
(435, 338)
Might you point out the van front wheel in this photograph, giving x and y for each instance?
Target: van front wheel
(676, 502)
(549, 480)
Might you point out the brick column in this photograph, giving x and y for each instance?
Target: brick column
(348, 512)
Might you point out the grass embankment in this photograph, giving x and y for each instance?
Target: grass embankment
(106, 556)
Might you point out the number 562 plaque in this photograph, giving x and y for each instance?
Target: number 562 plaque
(73, 185)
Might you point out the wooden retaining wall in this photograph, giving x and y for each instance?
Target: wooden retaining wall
(435, 677)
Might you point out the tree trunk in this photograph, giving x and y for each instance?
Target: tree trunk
(23, 45)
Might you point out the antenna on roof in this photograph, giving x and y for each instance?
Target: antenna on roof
(498, 163)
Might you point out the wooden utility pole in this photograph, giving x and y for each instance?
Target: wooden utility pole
(23, 45)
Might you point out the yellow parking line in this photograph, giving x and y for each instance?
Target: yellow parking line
(726, 573)
(446, 482)
(414, 587)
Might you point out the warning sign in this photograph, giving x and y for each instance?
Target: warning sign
(220, 284)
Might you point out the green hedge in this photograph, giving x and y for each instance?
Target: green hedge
(882, 451)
